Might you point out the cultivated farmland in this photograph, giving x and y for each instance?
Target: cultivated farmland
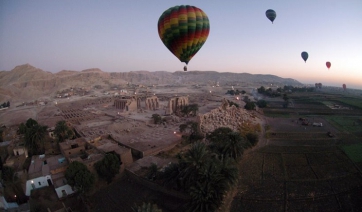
(304, 167)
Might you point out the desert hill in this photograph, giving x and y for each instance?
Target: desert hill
(25, 82)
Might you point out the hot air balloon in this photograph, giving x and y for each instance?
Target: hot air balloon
(271, 15)
(184, 30)
(305, 56)
(344, 86)
(328, 64)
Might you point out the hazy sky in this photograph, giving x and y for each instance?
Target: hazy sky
(122, 36)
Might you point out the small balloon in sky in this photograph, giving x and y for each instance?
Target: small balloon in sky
(305, 56)
(183, 30)
(328, 64)
(271, 15)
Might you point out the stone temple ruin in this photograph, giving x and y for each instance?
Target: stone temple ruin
(224, 116)
(127, 104)
(176, 103)
(83, 111)
(151, 103)
(132, 104)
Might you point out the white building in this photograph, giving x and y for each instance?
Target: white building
(47, 171)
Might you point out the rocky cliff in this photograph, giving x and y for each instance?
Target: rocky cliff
(28, 82)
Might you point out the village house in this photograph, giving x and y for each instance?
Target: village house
(17, 154)
(47, 171)
(50, 131)
(79, 150)
(108, 146)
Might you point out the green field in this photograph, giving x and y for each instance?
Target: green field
(355, 102)
(354, 152)
(350, 124)
(276, 114)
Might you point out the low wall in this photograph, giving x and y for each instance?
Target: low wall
(152, 151)
(155, 151)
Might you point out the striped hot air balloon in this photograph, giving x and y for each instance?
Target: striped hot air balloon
(184, 30)
(271, 15)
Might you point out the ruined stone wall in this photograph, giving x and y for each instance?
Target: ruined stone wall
(231, 117)
(120, 104)
(124, 105)
(68, 153)
(132, 105)
(176, 103)
(152, 103)
(126, 158)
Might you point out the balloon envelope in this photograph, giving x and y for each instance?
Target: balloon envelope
(184, 30)
(271, 15)
(305, 56)
(328, 64)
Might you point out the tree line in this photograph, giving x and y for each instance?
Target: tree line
(286, 89)
(5, 104)
(235, 92)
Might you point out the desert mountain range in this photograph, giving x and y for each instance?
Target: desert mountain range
(26, 82)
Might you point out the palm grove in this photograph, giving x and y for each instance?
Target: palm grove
(208, 170)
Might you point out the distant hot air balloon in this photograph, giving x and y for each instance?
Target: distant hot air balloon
(305, 56)
(271, 15)
(183, 29)
(344, 86)
(328, 64)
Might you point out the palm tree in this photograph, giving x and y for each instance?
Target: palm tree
(22, 128)
(34, 136)
(206, 192)
(229, 170)
(231, 144)
(30, 123)
(204, 175)
(186, 110)
(194, 108)
(215, 179)
(192, 129)
(191, 163)
(171, 176)
(219, 134)
(62, 131)
(195, 133)
(235, 145)
(152, 172)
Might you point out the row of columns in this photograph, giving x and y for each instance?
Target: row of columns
(120, 104)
